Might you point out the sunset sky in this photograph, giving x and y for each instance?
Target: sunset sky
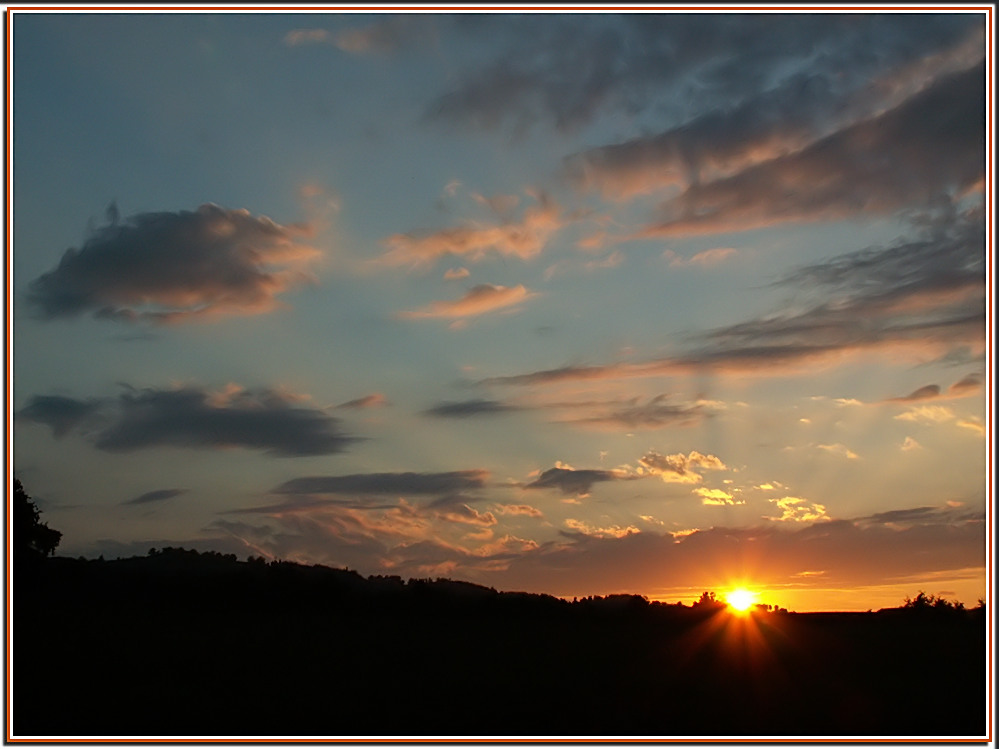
(574, 303)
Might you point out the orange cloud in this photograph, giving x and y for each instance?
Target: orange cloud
(524, 239)
(839, 449)
(927, 414)
(678, 468)
(717, 497)
(613, 531)
(468, 516)
(973, 424)
(478, 301)
(797, 510)
(526, 510)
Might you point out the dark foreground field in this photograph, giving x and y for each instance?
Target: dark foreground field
(186, 644)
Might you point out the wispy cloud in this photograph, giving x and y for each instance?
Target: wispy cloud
(682, 64)
(299, 37)
(176, 267)
(479, 300)
(594, 531)
(373, 400)
(470, 408)
(922, 296)
(927, 392)
(927, 414)
(387, 35)
(938, 134)
(402, 484)
(703, 259)
(816, 98)
(973, 423)
(381, 37)
(525, 510)
(157, 495)
(839, 449)
(656, 413)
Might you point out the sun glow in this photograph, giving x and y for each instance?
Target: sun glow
(740, 599)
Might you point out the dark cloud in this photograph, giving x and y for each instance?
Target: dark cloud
(561, 374)
(928, 290)
(717, 142)
(308, 503)
(677, 65)
(967, 384)
(912, 514)
(656, 413)
(571, 481)
(930, 145)
(157, 495)
(945, 256)
(58, 412)
(387, 483)
(173, 267)
(193, 418)
(927, 392)
(469, 408)
(808, 102)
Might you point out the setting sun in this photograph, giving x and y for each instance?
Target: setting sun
(740, 599)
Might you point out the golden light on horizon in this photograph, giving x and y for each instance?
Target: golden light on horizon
(740, 599)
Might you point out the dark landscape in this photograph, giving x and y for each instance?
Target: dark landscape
(202, 644)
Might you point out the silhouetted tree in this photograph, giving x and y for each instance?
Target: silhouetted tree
(32, 538)
(926, 602)
(708, 600)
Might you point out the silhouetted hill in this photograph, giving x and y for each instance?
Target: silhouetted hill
(181, 643)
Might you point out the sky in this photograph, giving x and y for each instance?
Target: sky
(570, 303)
